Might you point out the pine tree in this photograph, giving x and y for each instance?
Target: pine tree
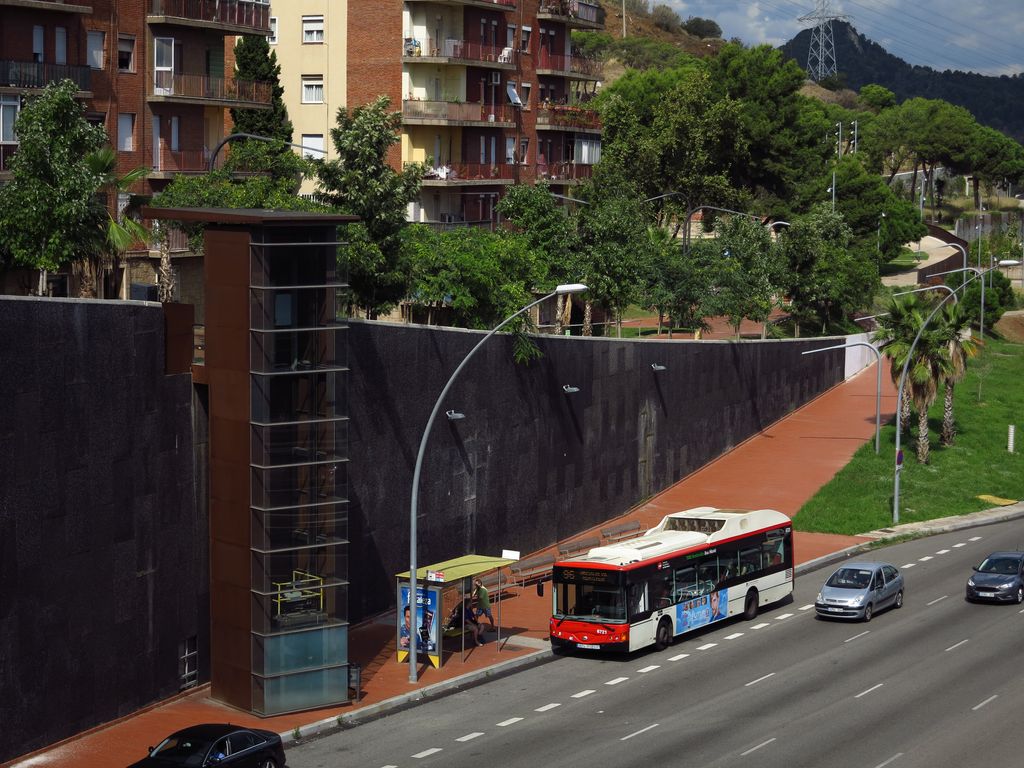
(255, 61)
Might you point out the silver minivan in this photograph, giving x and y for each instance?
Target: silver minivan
(860, 590)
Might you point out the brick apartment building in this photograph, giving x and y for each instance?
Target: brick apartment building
(491, 92)
(157, 74)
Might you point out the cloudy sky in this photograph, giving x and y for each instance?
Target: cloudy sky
(981, 36)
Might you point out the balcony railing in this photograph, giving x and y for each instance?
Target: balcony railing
(212, 88)
(574, 65)
(571, 9)
(186, 160)
(564, 171)
(31, 74)
(567, 116)
(235, 13)
(457, 111)
(459, 49)
(456, 172)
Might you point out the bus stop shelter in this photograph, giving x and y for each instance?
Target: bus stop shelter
(441, 590)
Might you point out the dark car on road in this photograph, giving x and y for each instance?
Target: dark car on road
(218, 744)
(999, 578)
(859, 590)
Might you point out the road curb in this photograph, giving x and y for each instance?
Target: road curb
(379, 709)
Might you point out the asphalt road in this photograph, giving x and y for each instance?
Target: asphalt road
(933, 684)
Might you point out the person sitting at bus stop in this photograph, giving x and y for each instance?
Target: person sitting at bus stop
(471, 623)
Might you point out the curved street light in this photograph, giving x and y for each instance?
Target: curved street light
(268, 139)
(930, 288)
(414, 504)
(903, 379)
(878, 381)
(691, 211)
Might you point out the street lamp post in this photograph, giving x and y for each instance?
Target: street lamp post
(930, 288)
(233, 136)
(414, 504)
(903, 379)
(691, 211)
(878, 383)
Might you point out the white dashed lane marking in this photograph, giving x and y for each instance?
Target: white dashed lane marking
(648, 669)
(678, 656)
(975, 538)
(924, 559)
(754, 749)
(706, 646)
(755, 682)
(806, 607)
(847, 640)
(734, 635)
(890, 760)
(956, 645)
(783, 616)
(617, 680)
(547, 707)
(581, 694)
(942, 552)
(961, 544)
(869, 690)
(427, 753)
(762, 625)
(510, 721)
(908, 565)
(470, 736)
(937, 600)
(976, 707)
(637, 733)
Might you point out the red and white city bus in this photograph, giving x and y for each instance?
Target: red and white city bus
(694, 568)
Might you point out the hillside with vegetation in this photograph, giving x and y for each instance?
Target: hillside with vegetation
(994, 101)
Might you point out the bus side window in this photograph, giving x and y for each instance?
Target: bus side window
(686, 584)
(750, 561)
(637, 598)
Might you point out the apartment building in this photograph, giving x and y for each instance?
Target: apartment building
(157, 74)
(491, 92)
(309, 39)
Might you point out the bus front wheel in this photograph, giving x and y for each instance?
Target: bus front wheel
(663, 637)
(750, 606)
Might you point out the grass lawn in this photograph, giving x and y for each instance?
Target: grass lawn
(859, 498)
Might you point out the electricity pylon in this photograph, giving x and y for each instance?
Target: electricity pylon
(821, 58)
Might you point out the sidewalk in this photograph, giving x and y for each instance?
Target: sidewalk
(780, 468)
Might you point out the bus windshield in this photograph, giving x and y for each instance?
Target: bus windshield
(590, 602)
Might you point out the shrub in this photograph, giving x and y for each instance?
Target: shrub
(665, 18)
(699, 27)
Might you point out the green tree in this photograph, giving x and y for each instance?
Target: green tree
(826, 279)
(550, 230)
(255, 60)
(122, 230)
(745, 270)
(953, 325)
(359, 181)
(702, 28)
(677, 283)
(877, 97)
(929, 364)
(479, 277)
(47, 215)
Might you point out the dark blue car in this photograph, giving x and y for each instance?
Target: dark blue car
(218, 744)
(1000, 577)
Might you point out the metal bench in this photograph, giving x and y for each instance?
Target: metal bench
(531, 569)
(577, 546)
(622, 531)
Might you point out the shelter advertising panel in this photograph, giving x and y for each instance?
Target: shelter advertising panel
(419, 623)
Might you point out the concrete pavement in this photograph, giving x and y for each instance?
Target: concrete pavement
(781, 467)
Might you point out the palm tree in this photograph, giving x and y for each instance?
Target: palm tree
(121, 231)
(928, 366)
(955, 324)
(896, 331)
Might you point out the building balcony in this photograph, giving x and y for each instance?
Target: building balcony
(235, 17)
(575, 14)
(462, 52)
(48, 5)
(472, 174)
(204, 89)
(173, 162)
(504, 5)
(32, 75)
(563, 172)
(574, 67)
(456, 113)
(565, 117)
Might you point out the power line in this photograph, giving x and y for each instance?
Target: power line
(821, 57)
